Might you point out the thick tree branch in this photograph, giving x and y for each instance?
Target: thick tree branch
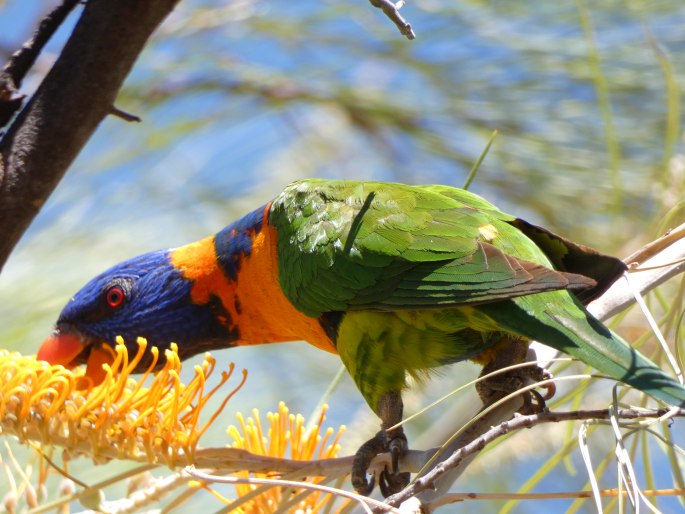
(76, 95)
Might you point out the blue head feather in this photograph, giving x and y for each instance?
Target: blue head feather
(157, 306)
(234, 242)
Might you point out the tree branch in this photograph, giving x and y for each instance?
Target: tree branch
(428, 480)
(651, 266)
(23, 60)
(392, 11)
(75, 96)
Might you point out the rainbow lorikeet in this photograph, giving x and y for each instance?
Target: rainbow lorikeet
(395, 279)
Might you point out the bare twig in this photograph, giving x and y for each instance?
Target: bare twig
(392, 11)
(362, 500)
(658, 261)
(426, 482)
(652, 249)
(149, 495)
(604, 493)
(87, 490)
(114, 111)
(23, 59)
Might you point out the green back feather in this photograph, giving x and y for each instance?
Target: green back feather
(407, 247)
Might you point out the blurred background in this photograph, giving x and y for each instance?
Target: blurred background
(239, 98)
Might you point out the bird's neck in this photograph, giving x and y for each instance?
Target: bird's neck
(239, 266)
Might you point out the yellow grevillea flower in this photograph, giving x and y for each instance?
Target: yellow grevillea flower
(116, 419)
(287, 437)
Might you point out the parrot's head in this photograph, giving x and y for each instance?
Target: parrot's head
(143, 297)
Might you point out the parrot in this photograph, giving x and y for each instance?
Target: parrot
(397, 280)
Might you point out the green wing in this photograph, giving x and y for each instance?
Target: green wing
(366, 245)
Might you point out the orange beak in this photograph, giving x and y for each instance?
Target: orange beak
(64, 348)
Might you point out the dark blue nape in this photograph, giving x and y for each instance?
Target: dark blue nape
(235, 241)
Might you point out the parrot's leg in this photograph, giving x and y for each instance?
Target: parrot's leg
(498, 386)
(394, 441)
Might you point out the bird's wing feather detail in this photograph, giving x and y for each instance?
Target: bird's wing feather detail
(348, 246)
(464, 281)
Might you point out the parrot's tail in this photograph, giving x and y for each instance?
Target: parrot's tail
(582, 336)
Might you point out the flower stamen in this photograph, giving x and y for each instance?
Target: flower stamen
(118, 418)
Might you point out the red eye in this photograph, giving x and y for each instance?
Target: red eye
(115, 296)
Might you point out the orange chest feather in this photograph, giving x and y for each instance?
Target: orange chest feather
(253, 302)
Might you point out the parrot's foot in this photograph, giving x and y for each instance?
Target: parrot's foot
(497, 387)
(390, 481)
(538, 374)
